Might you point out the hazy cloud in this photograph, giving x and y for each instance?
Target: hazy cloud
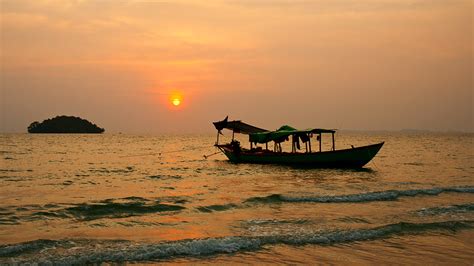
(343, 64)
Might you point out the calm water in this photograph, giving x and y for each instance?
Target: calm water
(124, 198)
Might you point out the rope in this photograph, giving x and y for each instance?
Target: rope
(191, 149)
(207, 156)
(165, 152)
(136, 155)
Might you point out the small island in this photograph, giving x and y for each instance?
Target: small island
(65, 124)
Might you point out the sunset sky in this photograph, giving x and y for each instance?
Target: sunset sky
(346, 64)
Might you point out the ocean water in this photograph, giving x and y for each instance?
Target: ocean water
(75, 199)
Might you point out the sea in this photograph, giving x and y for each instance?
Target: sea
(121, 198)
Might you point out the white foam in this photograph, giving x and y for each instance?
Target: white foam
(232, 244)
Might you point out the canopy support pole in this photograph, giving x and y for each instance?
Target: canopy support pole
(233, 133)
(333, 142)
(217, 141)
(309, 143)
(293, 147)
(320, 142)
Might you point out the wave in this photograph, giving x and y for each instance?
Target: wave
(108, 208)
(118, 210)
(213, 208)
(122, 252)
(453, 209)
(387, 195)
(104, 170)
(275, 221)
(165, 176)
(93, 211)
(17, 249)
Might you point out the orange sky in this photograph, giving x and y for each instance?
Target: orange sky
(350, 64)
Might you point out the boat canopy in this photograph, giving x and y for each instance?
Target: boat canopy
(237, 126)
(259, 135)
(284, 132)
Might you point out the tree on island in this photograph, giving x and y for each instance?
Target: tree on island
(64, 124)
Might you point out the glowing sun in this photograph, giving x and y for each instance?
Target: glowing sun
(176, 101)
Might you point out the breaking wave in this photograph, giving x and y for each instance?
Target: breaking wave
(387, 195)
(16, 249)
(128, 251)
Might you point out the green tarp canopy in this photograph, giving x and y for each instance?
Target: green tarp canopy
(283, 133)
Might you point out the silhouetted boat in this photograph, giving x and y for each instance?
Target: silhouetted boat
(355, 157)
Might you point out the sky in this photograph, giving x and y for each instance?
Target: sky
(345, 64)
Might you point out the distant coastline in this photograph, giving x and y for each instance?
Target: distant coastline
(65, 124)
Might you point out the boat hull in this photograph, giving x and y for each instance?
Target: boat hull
(348, 158)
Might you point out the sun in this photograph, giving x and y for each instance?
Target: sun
(176, 101)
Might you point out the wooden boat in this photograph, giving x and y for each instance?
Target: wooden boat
(355, 157)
